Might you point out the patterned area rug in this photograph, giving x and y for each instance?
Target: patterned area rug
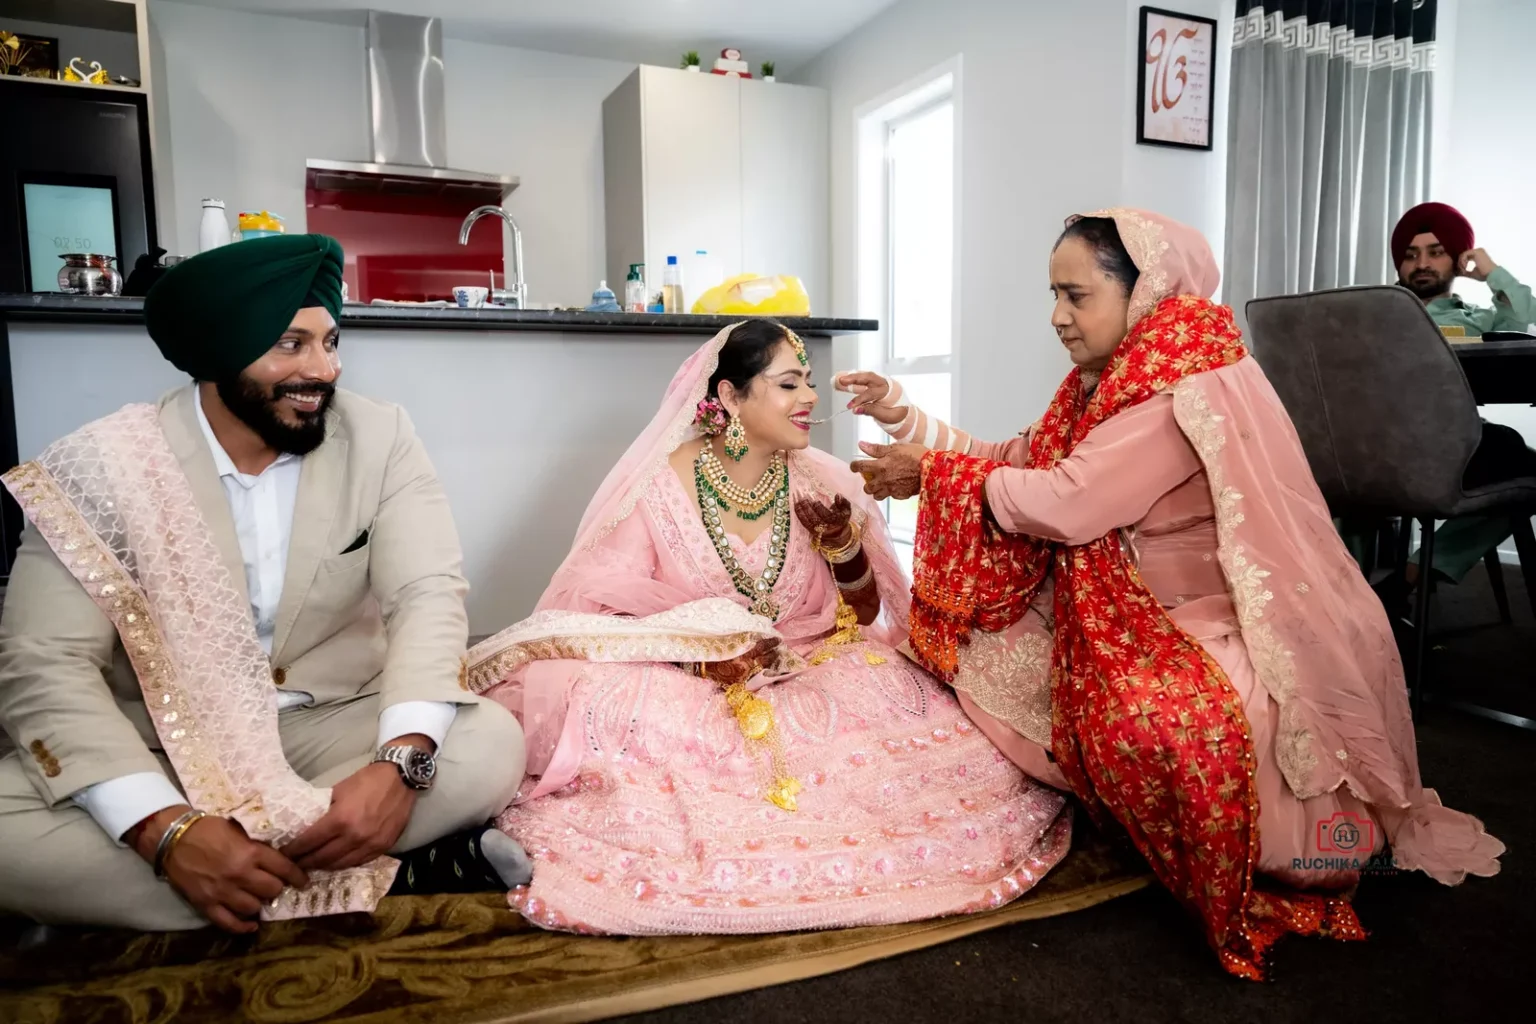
(464, 960)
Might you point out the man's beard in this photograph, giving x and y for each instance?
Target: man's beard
(257, 409)
(1427, 285)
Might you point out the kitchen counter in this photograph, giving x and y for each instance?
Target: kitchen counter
(522, 413)
(79, 309)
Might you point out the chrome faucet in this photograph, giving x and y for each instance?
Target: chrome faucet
(520, 287)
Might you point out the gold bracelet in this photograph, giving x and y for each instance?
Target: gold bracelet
(173, 835)
(847, 553)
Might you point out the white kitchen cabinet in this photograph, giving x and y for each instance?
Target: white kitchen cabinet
(733, 166)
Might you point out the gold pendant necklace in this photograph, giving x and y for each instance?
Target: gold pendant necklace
(747, 503)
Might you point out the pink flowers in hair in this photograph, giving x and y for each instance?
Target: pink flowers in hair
(710, 417)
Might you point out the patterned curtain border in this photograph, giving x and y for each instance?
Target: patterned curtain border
(1367, 33)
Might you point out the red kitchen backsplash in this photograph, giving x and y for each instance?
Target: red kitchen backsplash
(406, 247)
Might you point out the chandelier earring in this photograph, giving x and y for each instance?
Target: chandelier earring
(735, 439)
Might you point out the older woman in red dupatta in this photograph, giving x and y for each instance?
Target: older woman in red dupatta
(1143, 599)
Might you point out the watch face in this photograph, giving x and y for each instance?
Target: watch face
(422, 768)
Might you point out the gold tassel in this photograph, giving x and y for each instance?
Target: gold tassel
(754, 717)
(847, 634)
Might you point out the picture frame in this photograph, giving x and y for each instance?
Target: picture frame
(1175, 80)
(42, 56)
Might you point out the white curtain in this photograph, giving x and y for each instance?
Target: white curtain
(1328, 140)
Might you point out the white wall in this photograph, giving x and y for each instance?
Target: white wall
(1490, 147)
(1187, 185)
(1490, 134)
(239, 125)
(1046, 128)
(538, 116)
(248, 98)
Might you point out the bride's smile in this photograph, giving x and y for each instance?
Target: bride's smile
(775, 406)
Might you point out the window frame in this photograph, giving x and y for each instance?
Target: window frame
(875, 250)
(891, 363)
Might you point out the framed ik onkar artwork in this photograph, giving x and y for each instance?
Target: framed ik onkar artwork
(1176, 79)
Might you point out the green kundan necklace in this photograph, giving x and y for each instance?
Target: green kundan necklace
(718, 495)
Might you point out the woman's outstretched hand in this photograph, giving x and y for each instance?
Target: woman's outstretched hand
(869, 389)
(830, 526)
(892, 470)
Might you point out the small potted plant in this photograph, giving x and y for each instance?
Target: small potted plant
(690, 61)
(768, 71)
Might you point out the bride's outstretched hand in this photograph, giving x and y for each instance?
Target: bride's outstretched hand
(868, 390)
(829, 525)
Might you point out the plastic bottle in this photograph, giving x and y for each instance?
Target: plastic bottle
(634, 289)
(258, 225)
(213, 230)
(672, 288)
(704, 272)
(603, 300)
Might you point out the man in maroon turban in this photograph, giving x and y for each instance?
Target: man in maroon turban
(1432, 245)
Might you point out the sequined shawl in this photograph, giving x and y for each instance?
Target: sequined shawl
(115, 505)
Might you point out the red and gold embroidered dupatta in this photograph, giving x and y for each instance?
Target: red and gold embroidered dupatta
(1146, 726)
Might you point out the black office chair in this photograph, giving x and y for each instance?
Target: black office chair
(1388, 423)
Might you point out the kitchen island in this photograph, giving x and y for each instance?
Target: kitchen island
(523, 412)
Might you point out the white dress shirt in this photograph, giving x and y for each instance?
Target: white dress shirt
(262, 508)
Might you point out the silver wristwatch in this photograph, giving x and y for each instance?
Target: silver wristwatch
(417, 767)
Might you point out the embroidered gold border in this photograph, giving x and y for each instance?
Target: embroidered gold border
(198, 767)
(122, 601)
(488, 669)
(1295, 746)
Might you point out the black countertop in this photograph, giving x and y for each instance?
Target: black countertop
(79, 309)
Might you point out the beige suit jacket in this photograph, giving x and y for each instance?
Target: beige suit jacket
(387, 616)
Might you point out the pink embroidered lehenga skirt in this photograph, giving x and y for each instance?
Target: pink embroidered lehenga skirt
(907, 811)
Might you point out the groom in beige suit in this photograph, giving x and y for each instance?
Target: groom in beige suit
(327, 512)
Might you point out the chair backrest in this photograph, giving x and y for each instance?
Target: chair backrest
(1377, 395)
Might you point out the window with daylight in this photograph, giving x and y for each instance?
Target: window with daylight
(907, 257)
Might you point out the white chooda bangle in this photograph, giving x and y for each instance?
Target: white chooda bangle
(858, 584)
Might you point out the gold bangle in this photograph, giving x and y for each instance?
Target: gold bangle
(173, 836)
(848, 552)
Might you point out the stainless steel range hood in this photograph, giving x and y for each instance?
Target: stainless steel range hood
(407, 127)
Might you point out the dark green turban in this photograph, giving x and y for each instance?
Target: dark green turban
(215, 314)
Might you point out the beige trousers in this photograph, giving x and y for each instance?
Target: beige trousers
(58, 867)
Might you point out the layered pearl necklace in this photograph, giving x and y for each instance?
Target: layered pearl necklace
(717, 493)
(749, 503)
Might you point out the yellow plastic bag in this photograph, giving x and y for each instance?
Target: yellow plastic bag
(752, 295)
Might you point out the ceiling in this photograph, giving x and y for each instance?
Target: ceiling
(788, 32)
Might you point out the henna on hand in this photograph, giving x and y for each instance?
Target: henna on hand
(892, 470)
(744, 666)
(829, 526)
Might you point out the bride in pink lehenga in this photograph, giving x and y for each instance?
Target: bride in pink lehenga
(702, 761)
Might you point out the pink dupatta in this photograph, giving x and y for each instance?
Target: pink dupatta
(1318, 637)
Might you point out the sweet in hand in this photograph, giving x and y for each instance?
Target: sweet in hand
(892, 470)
